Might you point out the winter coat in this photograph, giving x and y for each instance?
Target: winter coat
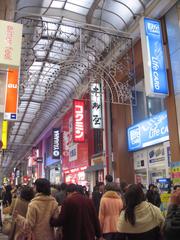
(78, 219)
(109, 211)
(149, 221)
(172, 223)
(21, 207)
(40, 210)
(96, 198)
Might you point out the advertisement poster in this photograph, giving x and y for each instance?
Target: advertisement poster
(153, 58)
(149, 132)
(175, 172)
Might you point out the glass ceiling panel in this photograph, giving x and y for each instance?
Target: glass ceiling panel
(18, 138)
(76, 8)
(34, 105)
(84, 3)
(42, 43)
(49, 29)
(57, 4)
(36, 66)
(134, 5)
(41, 54)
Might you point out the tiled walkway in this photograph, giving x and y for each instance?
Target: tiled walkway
(2, 237)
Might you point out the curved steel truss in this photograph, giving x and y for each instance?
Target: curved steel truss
(59, 62)
(75, 55)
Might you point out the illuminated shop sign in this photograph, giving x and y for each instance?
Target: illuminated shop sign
(96, 106)
(153, 58)
(11, 100)
(148, 132)
(56, 143)
(4, 134)
(10, 47)
(78, 121)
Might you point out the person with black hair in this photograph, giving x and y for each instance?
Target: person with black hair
(109, 178)
(21, 205)
(77, 217)
(42, 207)
(60, 195)
(140, 219)
(97, 193)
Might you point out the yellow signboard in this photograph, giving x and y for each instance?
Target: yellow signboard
(4, 134)
(165, 197)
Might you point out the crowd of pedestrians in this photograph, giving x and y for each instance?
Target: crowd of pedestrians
(68, 212)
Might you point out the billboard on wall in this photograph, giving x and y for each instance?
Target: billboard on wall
(11, 96)
(78, 121)
(96, 106)
(155, 77)
(10, 47)
(148, 132)
(56, 143)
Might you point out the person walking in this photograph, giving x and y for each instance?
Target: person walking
(172, 222)
(42, 207)
(77, 217)
(20, 205)
(97, 194)
(140, 219)
(110, 207)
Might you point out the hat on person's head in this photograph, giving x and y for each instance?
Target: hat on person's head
(112, 187)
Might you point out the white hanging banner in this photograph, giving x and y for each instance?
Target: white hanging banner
(96, 106)
(155, 77)
(10, 43)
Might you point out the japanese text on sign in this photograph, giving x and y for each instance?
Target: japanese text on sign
(96, 106)
(78, 121)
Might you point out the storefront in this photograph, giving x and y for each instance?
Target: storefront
(149, 140)
(52, 156)
(74, 155)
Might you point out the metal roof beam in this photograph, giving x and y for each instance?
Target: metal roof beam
(54, 12)
(91, 11)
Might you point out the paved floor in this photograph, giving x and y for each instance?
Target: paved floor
(2, 237)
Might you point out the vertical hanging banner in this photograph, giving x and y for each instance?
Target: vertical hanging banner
(78, 121)
(155, 77)
(11, 98)
(10, 47)
(56, 143)
(4, 134)
(96, 106)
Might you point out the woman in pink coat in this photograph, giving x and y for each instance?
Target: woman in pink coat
(110, 207)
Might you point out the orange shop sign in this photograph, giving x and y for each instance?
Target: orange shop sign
(11, 100)
(10, 47)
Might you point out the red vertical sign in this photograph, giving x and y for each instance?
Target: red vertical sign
(78, 121)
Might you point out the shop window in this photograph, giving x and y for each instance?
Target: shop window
(145, 107)
(98, 141)
(154, 105)
(139, 105)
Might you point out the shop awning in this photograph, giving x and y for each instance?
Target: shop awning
(95, 167)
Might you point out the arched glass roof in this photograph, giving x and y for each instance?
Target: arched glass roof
(55, 59)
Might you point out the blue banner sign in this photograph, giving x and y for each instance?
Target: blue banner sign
(153, 58)
(148, 132)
